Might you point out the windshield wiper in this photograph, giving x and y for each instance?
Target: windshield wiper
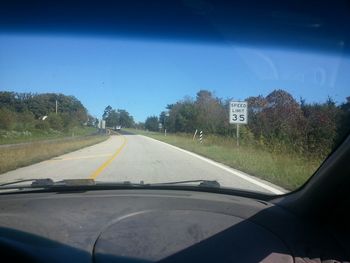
(46, 183)
(202, 183)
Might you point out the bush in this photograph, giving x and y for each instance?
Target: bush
(246, 135)
(25, 121)
(55, 122)
(42, 125)
(7, 119)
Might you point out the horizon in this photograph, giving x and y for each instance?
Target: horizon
(143, 76)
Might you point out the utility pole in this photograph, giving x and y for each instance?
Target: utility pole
(56, 107)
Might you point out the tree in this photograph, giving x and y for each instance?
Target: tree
(211, 113)
(7, 100)
(282, 119)
(28, 106)
(322, 122)
(125, 119)
(140, 125)
(163, 118)
(186, 116)
(152, 123)
(343, 125)
(106, 112)
(117, 117)
(112, 119)
(120, 117)
(256, 105)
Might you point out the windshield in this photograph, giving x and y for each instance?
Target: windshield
(253, 117)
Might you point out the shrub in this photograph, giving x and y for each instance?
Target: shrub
(42, 125)
(55, 122)
(7, 119)
(25, 121)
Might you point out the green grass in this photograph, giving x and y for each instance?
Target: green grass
(287, 170)
(12, 137)
(15, 156)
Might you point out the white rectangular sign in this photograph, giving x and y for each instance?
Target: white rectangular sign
(239, 112)
(102, 124)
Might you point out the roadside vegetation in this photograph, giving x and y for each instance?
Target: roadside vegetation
(14, 136)
(15, 156)
(36, 127)
(119, 117)
(286, 170)
(284, 141)
(30, 117)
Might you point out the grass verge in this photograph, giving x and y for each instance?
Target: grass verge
(12, 137)
(16, 156)
(289, 171)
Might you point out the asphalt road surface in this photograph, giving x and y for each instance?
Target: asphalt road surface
(136, 158)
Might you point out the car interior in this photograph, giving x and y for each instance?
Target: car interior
(145, 223)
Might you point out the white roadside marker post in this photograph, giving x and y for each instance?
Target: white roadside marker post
(194, 135)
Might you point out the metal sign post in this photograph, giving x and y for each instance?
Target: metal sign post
(238, 115)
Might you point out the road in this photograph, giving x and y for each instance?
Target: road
(135, 158)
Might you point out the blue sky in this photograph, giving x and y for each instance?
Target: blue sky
(143, 75)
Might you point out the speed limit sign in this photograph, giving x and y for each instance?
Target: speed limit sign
(238, 112)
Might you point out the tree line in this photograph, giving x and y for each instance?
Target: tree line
(117, 117)
(277, 121)
(28, 111)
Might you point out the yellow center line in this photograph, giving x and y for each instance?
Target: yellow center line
(108, 162)
(79, 157)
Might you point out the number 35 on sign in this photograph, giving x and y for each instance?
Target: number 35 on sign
(239, 112)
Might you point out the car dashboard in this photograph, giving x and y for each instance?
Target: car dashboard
(156, 226)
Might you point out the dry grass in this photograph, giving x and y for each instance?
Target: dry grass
(17, 156)
(13, 137)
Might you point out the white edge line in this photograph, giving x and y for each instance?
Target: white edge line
(223, 167)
